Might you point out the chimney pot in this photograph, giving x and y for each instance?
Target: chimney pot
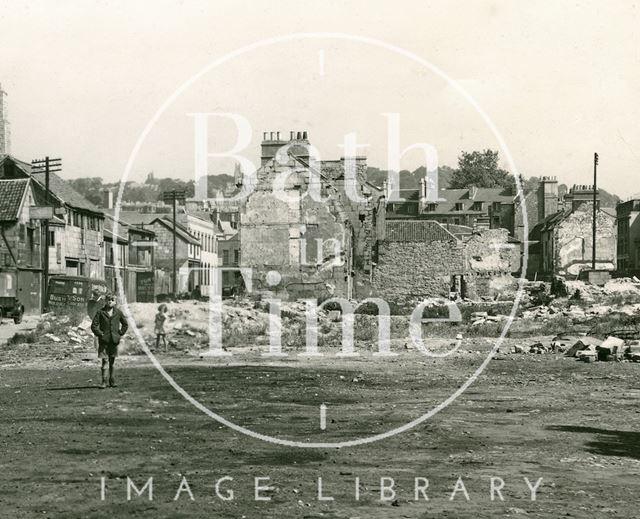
(299, 136)
(278, 135)
(264, 136)
(291, 135)
(107, 199)
(304, 135)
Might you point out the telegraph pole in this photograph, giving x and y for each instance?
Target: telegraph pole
(46, 166)
(173, 196)
(595, 209)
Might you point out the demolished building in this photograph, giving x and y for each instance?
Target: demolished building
(302, 245)
(562, 242)
(422, 259)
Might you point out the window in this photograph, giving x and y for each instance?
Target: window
(225, 258)
(108, 253)
(459, 206)
(236, 257)
(30, 245)
(76, 219)
(92, 223)
(52, 238)
(477, 206)
(430, 208)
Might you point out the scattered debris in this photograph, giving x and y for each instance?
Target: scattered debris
(584, 343)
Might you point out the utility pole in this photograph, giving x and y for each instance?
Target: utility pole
(46, 166)
(173, 196)
(595, 209)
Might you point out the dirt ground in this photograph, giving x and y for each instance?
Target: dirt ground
(536, 416)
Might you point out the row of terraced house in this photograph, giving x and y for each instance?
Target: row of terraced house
(131, 252)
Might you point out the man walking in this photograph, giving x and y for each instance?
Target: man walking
(108, 325)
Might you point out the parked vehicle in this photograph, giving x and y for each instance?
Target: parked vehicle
(69, 294)
(10, 306)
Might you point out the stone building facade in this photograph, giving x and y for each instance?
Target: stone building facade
(187, 257)
(130, 251)
(628, 222)
(417, 260)
(229, 257)
(316, 247)
(421, 259)
(76, 228)
(492, 258)
(76, 239)
(566, 238)
(201, 225)
(476, 207)
(20, 245)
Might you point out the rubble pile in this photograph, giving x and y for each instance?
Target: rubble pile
(587, 348)
(60, 330)
(478, 318)
(616, 286)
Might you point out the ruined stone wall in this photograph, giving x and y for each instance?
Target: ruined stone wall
(490, 251)
(573, 242)
(409, 272)
(490, 261)
(284, 236)
(164, 250)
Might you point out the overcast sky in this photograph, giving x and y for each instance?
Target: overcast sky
(559, 80)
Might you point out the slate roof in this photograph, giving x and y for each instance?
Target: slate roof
(124, 229)
(181, 231)
(11, 196)
(553, 220)
(449, 198)
(63, 191)
(460, 231)
(24, 166)
(226, 229)
(110, 235)
(136, 218)
(416, 231)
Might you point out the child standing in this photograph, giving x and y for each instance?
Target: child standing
(161, 319)
(109, 325)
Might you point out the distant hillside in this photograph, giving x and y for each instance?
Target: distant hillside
(151, 190)
(410, 179)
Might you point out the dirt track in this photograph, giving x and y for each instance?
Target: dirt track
(573, 424)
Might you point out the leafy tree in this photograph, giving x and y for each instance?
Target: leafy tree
(481, 169)
(89, 187)
(139, 193)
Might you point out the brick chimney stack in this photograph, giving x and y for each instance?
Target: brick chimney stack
(5, 130)
(547, 197)
(107, 199)
(272, 142)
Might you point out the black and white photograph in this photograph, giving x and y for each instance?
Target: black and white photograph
(319, 259)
